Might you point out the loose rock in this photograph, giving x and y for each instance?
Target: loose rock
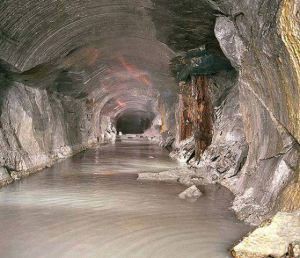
(192, 193)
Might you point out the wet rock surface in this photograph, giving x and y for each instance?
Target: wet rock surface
(190, 194)
(166, 176)
(183, 175)
(278, 238)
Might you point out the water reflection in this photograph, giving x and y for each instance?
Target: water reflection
(92, 206)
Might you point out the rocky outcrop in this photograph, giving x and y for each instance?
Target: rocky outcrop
(278, 238)
(191, 194)
(224, 158)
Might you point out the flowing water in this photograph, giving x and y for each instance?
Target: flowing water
(92, 206)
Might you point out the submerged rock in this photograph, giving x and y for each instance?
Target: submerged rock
(182, 175)
(192, 193)
(279, 238)
(166, 176)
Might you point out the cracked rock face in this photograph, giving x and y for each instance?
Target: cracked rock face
(262, 42)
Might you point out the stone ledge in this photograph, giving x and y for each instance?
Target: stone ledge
(274, 239)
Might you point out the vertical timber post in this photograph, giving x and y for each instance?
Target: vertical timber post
(202, 113)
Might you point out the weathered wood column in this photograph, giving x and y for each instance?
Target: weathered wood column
(201, 113)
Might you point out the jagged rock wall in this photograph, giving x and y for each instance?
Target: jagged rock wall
(262, 42)
(38, 128)
(223, 159)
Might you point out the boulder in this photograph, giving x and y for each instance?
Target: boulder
(278, 237)
(192, 193)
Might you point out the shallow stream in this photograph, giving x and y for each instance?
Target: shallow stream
(92, 206)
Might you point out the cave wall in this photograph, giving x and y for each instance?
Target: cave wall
(223, 159)
(38, 128)
(262, 42)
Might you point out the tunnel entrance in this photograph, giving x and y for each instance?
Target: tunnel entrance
(134, 122)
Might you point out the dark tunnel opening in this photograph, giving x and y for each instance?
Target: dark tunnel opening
(136, 122)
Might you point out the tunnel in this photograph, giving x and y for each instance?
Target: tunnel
(145, 114)
(134, 122)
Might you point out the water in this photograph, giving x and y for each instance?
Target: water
(92, 206)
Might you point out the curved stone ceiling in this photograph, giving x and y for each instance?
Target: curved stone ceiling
(110, 51)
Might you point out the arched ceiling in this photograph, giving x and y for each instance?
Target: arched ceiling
(113, 50)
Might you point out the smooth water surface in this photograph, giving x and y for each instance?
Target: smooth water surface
(92, 206)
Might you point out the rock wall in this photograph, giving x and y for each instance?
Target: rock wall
(262, 42)
(223, 159)
(38, 128)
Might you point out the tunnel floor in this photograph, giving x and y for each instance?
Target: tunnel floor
(92, 206)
